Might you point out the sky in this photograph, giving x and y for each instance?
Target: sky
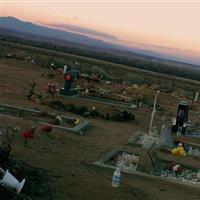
(173, 24)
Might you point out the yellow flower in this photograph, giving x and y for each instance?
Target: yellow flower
(77, 121)
(179, 151)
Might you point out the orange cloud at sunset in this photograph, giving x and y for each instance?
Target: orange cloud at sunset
(165, 24)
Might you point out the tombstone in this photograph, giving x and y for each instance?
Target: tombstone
(70, 76)
(182, 117)
(166, 139)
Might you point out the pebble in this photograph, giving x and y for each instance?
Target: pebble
(187, 176)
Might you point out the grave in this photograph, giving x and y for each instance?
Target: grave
(45, 118)
(118, 158)
(189, 176)
(166, 140)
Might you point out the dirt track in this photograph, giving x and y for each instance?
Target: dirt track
(63, 156)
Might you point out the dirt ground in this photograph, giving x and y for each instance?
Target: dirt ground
(67, 157)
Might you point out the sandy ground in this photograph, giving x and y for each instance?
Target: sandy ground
(64, 155)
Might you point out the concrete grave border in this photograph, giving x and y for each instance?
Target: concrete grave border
(108, 102)
(78, 129)
(105, 158)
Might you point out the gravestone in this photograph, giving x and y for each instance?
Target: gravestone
(166, 139)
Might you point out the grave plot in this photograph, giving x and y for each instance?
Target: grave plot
(118, 158)
(144, 165)
(68, 123)
(181, 173)
(166, 142)
(191, 144)
(91, 93)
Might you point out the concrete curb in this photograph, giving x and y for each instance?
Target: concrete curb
(6, 110)
(104, 101)
(110, 154)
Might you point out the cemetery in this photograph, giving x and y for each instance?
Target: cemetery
(139, 138)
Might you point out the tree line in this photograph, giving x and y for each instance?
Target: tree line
(134, 60)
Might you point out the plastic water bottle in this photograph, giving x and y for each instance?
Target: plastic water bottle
(116, 178)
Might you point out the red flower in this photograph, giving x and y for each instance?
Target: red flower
(27, 134)
(68, 77)
(47, 129)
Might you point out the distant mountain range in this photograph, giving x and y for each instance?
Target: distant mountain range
(84, 36)
(13, 24)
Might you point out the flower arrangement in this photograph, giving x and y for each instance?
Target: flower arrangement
(28, 134)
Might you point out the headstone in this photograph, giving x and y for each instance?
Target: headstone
(166, 137)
